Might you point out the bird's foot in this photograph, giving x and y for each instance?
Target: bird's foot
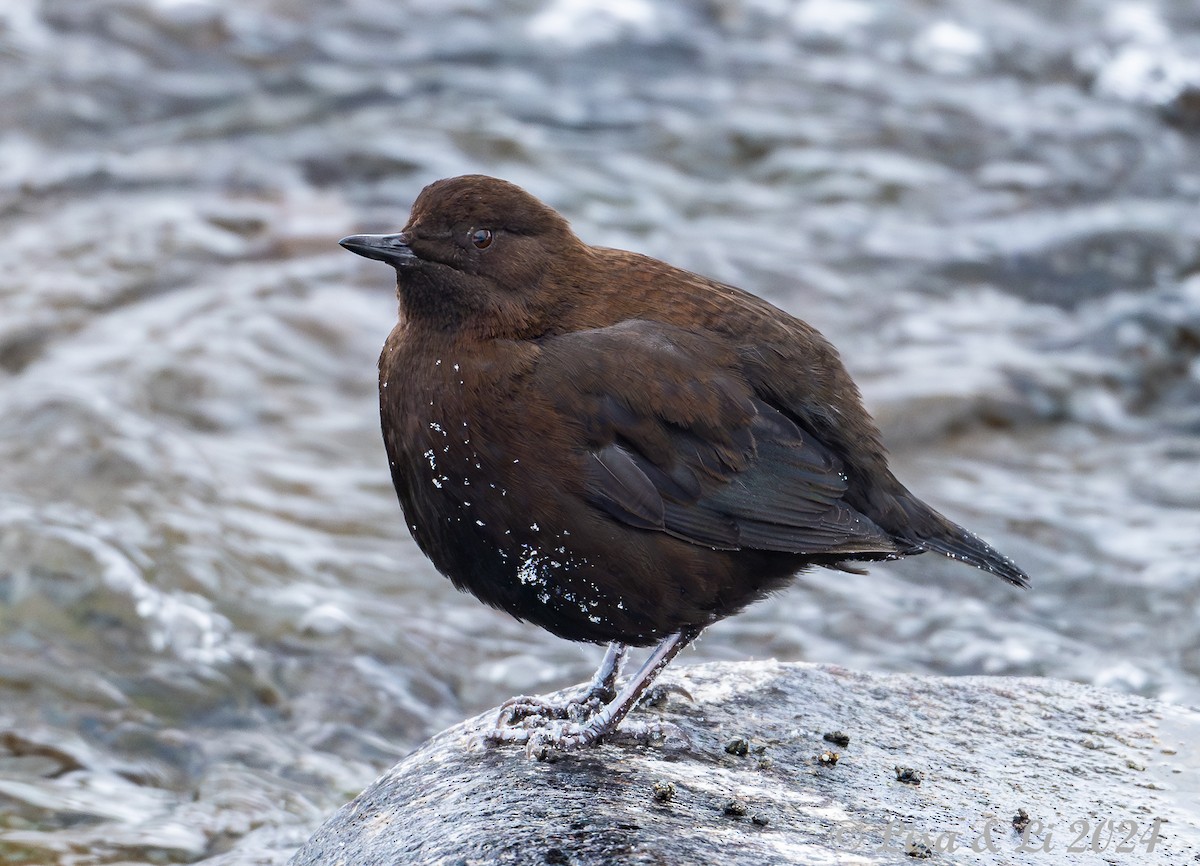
(531, 711)
(528, 718)
(545, 734)
(547, 728)
(542, 734)
(547, 744)
(658, 694)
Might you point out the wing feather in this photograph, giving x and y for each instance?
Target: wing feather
(693, 451)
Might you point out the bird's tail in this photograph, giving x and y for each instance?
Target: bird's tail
(929, 530)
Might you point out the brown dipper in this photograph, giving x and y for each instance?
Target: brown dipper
(615, 449)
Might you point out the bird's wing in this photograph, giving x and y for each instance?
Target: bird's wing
(676, 441)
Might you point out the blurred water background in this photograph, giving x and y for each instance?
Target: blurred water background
(213, 626)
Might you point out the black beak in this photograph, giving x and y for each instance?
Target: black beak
(393, 249)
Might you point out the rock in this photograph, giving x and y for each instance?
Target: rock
(1081, 766)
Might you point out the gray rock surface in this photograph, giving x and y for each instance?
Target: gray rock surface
(934, 768)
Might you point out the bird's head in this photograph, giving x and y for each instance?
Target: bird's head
(475, 254)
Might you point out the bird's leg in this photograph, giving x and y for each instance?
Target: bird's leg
(605, 721)
(574, 735)
(601, 690)
(603, 686)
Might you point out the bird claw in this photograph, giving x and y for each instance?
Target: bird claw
(546, 739)
(542, 725)
(532, 711)
(545, 744)
(546, 728)
(658, 694)
(543, 741)
(521, 707)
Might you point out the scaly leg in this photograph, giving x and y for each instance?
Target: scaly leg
(601, 690)
(574, 734)
(604, 682)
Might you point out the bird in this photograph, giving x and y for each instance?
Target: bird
(617, 450)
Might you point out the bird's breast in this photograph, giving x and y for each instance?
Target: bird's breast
(491, 485)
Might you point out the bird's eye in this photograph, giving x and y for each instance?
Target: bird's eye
(481, 238)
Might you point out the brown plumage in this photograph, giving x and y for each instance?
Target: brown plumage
(613, 448)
